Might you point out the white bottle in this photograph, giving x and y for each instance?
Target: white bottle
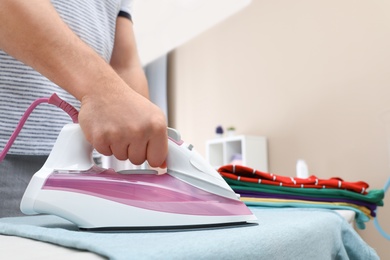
(302, 169)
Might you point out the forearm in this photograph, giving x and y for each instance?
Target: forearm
(125, 60)
(134, 77)
(32, 32)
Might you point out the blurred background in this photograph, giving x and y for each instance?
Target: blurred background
(311, 76)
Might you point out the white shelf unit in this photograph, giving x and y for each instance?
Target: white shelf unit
(253, 150)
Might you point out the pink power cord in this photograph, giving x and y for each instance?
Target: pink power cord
(54, 100)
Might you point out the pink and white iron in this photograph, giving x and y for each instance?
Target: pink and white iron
(191, 194)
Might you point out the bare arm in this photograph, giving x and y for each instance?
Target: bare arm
(125, 60)
(115, 118)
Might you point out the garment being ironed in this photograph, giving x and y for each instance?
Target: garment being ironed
(94, 22)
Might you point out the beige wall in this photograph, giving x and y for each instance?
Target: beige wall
(312, 76)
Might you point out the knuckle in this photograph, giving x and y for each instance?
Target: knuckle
(158, 125)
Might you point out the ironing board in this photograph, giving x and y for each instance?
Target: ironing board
(281, 234)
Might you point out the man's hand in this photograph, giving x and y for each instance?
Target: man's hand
(125, 124)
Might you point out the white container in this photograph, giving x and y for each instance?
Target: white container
(302, 169)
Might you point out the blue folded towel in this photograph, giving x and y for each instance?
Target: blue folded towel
(280, 234)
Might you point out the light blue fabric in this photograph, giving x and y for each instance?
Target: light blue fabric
(280, 234)
(360, 217)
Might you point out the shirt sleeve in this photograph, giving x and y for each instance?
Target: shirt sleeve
(126, 9)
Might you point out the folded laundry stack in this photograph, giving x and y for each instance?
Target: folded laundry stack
(263, 189)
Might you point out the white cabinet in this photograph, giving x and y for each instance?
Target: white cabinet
(252, 150)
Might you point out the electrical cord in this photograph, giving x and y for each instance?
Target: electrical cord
(53, 100)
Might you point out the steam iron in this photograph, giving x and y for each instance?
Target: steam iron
(190, 195)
